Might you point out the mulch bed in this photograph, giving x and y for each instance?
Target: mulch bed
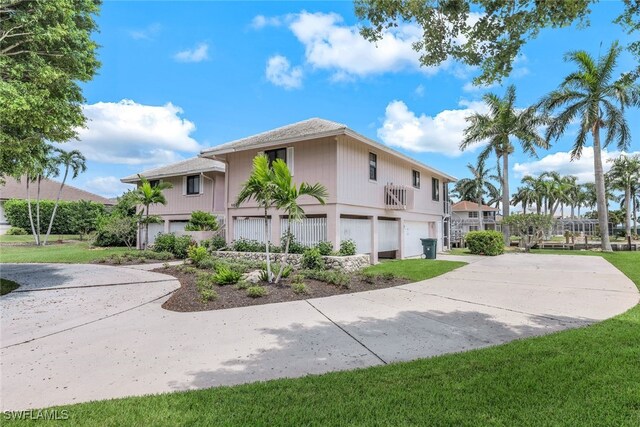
(187, 298)
(136, 261)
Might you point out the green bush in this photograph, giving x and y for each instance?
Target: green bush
(197, 254)
(295, 247)
(312, 260)
(325, 248)
(256, 291)
(369, 277)
(115, 230)
(164, 242)
(208, 294)
(217, 243)
(347, 247)
(208, 264)
(16, 231)
(243, 284)
(299, 288)
(17, 213)
(332, 277)
(225, 276)
(244, 245)
(181, 246)
(485, 242)
(201, 221)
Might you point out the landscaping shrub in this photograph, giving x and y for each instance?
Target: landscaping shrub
(217, 243)
(181, 246)
(225, 276)
(295, 247)
(312, 260)
(299, 288)
(244, 245)
(256, 291)
(165, 242)
(201, 221)
(243, 284)
(242, 266)
(389, 275)
(347, 247)
(208, 264)
(197, 254)
(208, 294)
(332, 277)
(264, 275)
(16, 211)
(369, 277)
(16, 231)
(485, 242)
(115, 230)
(275, 267)
(325, 248)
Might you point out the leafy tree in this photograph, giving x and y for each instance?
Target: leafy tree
(202, 221)
(117, 229)
(126, 204)
(84, 219)
(286, 196)
(504, 122)
(591, 96)
(46, 50)
(624, 174)
(529, 227)
(147, 195)
(73, 160)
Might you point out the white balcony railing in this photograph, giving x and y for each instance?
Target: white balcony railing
(398, 197)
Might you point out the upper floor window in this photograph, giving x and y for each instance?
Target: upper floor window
(435, 189)
(278, 153)
(373, 167)
(415, 178)
(473, 214)
(193, 184)
(154, 183)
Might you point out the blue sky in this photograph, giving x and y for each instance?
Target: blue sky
(180, 76)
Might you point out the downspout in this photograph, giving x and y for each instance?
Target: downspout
(213, 190)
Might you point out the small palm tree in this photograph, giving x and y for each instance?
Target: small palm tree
(591, 96)
(147, 195)
(504, 122)
(74, 161)
(525, 196)
(624, 173)
(260, 187)
(286, 196)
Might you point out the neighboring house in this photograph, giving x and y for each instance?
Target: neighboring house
(17, 189)
(198, 185)
(383, 200)
(465, 218)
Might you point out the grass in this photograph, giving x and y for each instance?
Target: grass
(76, 252)
(588, 376)
(415, 269)
(28, 238)
(459, 251)
(7, 286)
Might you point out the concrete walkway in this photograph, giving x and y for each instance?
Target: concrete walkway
(114, 340)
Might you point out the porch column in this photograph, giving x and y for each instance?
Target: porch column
(374, 239)
(166, 226)
(401, 239)
(333, 228)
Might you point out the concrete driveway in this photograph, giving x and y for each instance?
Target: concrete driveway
(78, 333)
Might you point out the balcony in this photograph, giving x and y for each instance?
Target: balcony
(398, 197)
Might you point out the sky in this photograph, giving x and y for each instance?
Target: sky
(177, 77)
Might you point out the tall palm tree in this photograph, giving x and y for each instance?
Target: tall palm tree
(525, 196)
(147, 195)
(591, 96)
(583, 198)
(71, 160)
(504, 122)
(624, 173)
(474, 188)
(534, 187)
(260, 187)
(286, 198)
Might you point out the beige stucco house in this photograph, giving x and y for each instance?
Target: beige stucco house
(382, 199)
(198, 184)
(465, 217)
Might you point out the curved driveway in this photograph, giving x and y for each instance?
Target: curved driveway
(74, 333)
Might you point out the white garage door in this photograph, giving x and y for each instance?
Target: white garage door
(177, 226)
(388, 235)
(154, 230)
(358, 230)
(413, 232)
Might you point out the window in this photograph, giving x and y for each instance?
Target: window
(415, 178)
(373, 167)
(278, 153)
(435, 189)
(473, 214)
(473, 228)
(193, 184)
(154, 183)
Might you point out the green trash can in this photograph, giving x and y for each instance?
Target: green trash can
(429, 248)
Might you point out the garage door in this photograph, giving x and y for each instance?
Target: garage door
(358, 230)
(177, 226)
(154, 230)
(413, 232)
(388, 235)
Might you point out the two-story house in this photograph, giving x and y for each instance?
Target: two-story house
(465, 217)
(382, 199)
(198, 184)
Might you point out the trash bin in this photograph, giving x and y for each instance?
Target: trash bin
(429, 247)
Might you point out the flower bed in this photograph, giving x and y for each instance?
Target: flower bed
(345, 263)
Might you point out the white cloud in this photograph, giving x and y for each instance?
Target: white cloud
(147, 33)
(198, 54)
(441, 133)
(107, 186)
(419, 91)
(129, 133)
(280, 72)
(561, 162)
(261, 21)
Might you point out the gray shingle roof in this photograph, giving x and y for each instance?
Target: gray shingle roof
(305, 128)
(14, 189)
(189, 166)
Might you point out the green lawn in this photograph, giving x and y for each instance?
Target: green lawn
(29, 238)
(588, 376)
(416, 269)
(459, 251)
(76, 252)
(7, 286)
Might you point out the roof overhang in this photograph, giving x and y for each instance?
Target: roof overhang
(136, 179)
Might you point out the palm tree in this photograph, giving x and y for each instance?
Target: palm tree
(473, 189)
(260, 187)
(592, 97)
(147, 195)
(624, 173)
(286, 195)
(75, 161)
(583, 197)
(498, 127)
(526, 196)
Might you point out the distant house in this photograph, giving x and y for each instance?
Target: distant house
(14, 189)
(465, 218)
(382, 199)
(198, 184)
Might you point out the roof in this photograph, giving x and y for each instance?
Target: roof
(185, 167)
(305, 130)
(467, 206)
(14, 189)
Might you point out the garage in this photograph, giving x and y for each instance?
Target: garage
(175, 226)
(413, 232)
(388, 237)
(358, 230)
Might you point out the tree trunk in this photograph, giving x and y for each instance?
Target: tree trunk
(146, 230)
(524, 208)
(635, 214)
(603, 215)
(33, 228)
(266, 239)
(627, 207)
(286, 252)
(480, 218)
(505, 195)
(55, 207)
(38, 210)
(573, 211)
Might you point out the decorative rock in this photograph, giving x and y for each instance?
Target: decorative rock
(252, 276)
(347, 264)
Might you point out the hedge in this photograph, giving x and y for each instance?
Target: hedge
(485, 242)
(17, 213)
